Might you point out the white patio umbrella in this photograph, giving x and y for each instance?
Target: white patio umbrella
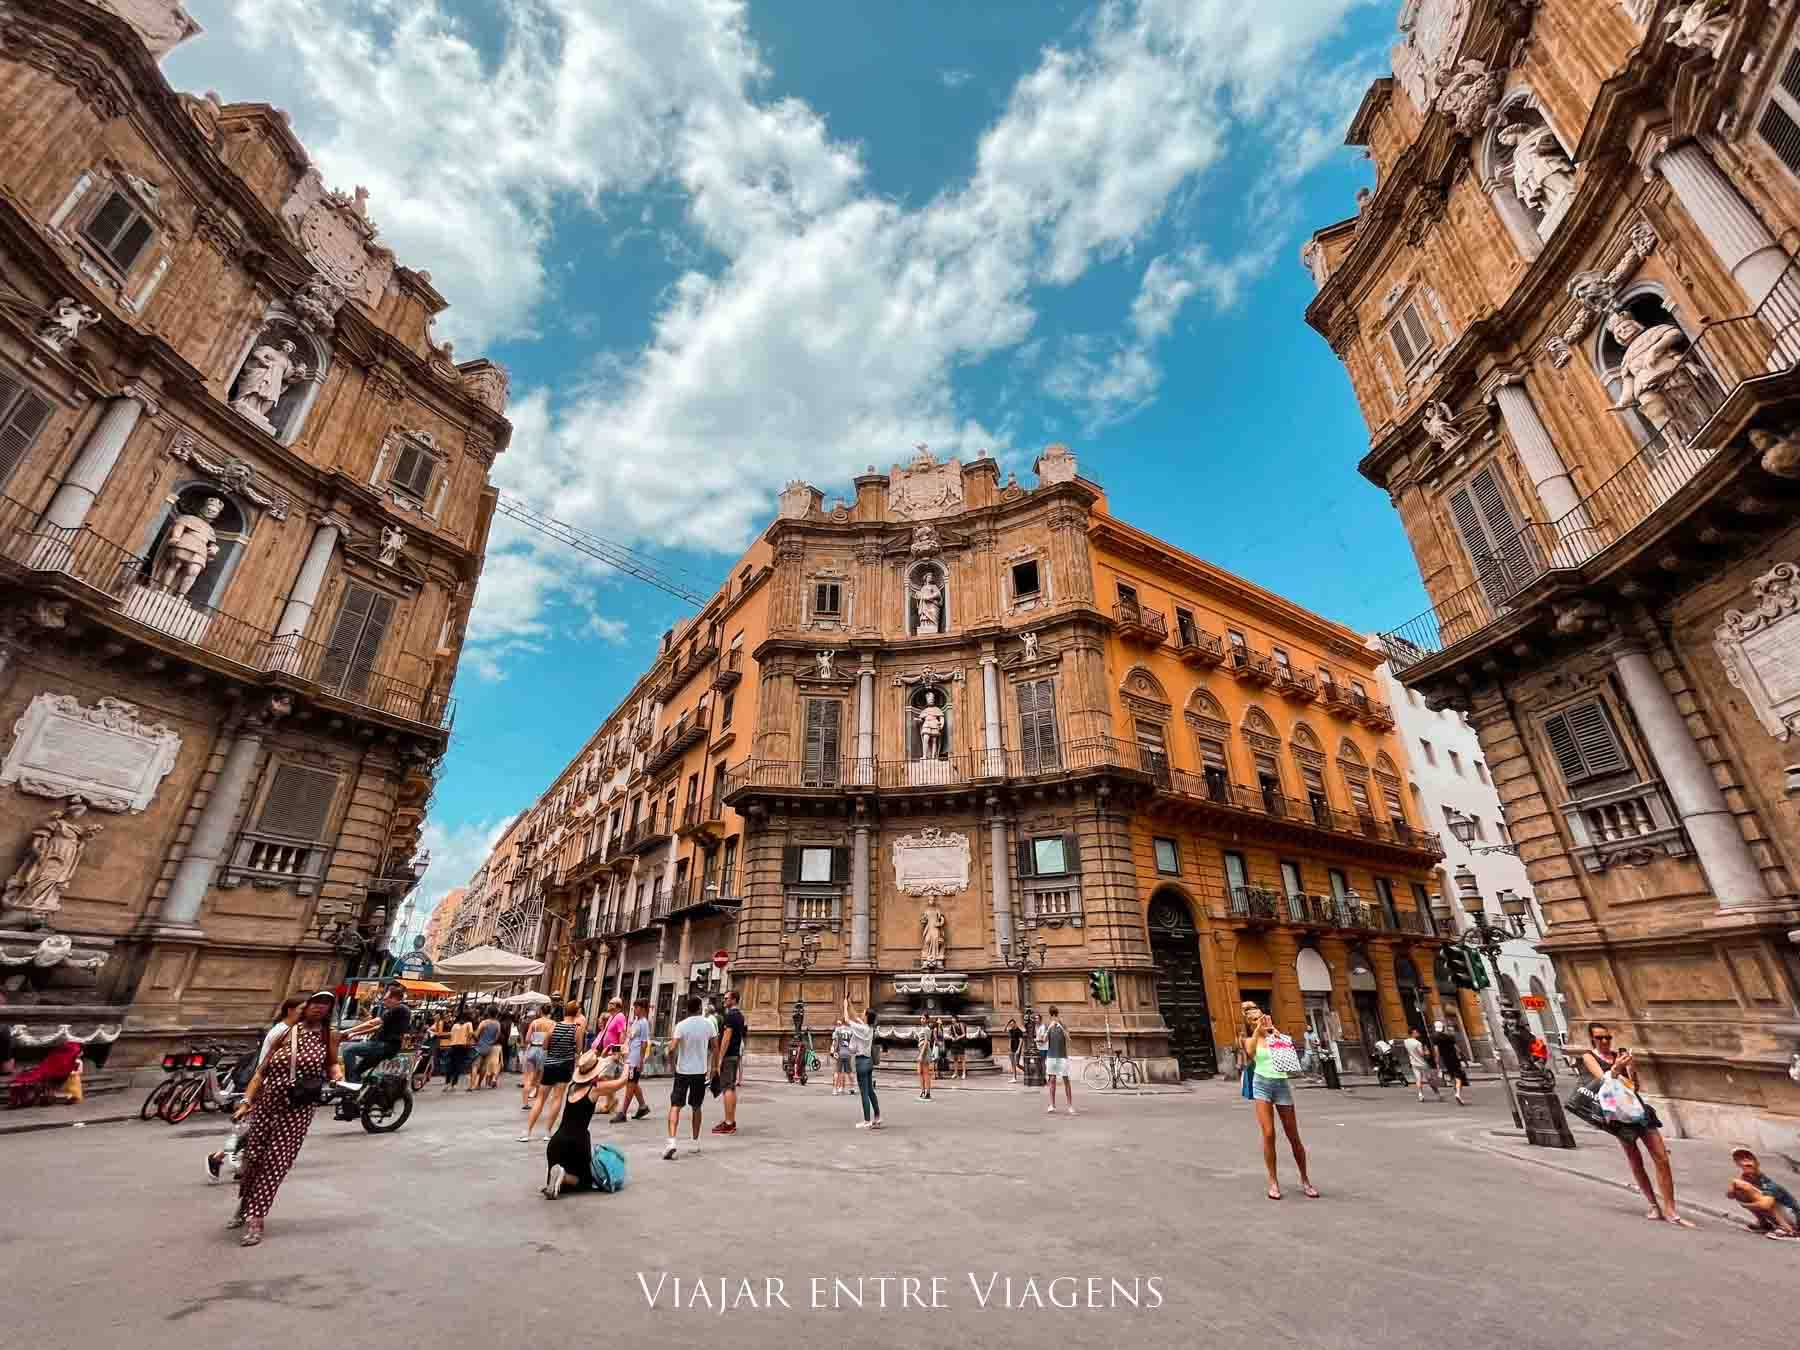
(530, 996)
(485, 965)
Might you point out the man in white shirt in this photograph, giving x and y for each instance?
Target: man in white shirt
(1418, 1058)
(637, 1046)
(691, 1049)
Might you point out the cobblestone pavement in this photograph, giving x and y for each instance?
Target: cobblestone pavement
(437, 1237)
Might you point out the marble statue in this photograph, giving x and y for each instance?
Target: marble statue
(929, 597)
(1543, 177)
(52, 856)
(1650, 369)
(187, 548)
(1701, 24)
(1031, 645)
(393, 540)
(1440, 424)
(266, 376)
(931, 728)
(61, 328)
(827, 664)
(934, 930)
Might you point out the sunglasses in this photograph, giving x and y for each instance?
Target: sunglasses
(1603, 1038)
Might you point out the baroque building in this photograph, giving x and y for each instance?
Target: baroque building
(243, 505)
(1570, 319)
(952, 721)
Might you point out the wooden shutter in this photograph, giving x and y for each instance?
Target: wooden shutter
(1359, 796)
(362, 622)
(1071, 853)
(840, 864)
(1498, 549)
(298, 801)
(1583, 742)
(1779, 125)
(820, 767)
(23, 413)
(1027, 864)
(1037, 725)
(1409, 337)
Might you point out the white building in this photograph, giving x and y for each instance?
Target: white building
(1449, 775)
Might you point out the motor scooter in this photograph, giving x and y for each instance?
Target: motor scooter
(1388, 1069)
(382, 1101)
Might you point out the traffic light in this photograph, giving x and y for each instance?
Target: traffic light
(1456, 961)
(1100, 985)
(1477, 968)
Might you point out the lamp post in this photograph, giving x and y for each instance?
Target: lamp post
(1535, 1106)
(800, 958)
(1463, 827)
(1022, 958)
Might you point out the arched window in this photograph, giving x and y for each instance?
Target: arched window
(1309, 759)
(1147, 703)
(927, 599)
(1264, 744)
(1355, 772)
(279, 374)
(231, 529)
(1387, 781)
(1526, 171)
(1212, 734)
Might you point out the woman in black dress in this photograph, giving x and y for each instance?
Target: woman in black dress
(1601, 1061)
(569, 1156)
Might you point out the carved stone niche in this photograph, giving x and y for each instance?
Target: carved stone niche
(102, 753)
(931, 862)
(1760, 649)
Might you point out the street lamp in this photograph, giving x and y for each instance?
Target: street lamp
(800, 958)
(1535, 1106)
(1021, 957)
(1463, 827)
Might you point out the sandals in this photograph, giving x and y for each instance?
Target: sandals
(236, 1220)
(1274, 1192)
(1681, 1222)
(253, 1236)
(1310, 1191)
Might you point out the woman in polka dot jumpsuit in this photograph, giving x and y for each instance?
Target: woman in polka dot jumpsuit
(278, 1127)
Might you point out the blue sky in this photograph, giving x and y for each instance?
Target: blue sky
(722, 245)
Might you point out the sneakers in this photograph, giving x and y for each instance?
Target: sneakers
(693, 1150)
(618, 1119)
(864, 1124)
(525, 1139)
(875, 1125)
(553, 1187)
(1052, 1110)
(724, 1127)
(642, 1111)
(670, 1151)
(215, 1165)
(1071, 1110)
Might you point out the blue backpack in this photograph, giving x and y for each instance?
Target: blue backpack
(609, 1168)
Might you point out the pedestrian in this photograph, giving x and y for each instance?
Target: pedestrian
(1015, 1039)
(1056, 1061)
(840, 1058)
(302, 1058)
(234, 1141)
(691, 1046)
(510, 1039)
(728, 1067)
(928, 1048)
(1248, 1012)
(531, 1058)
(637, 1046)
(486, 1070)
(959, 1047)
(1274, 1095)
(559, 1067)
(1600, 1062)
(1418, 1058)
(1450, 1060)
(611, 1040)
(1772, 1209)
(569, 1152)
(462, 1042)
(859, 1037)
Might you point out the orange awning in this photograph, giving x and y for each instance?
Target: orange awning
(424, 987)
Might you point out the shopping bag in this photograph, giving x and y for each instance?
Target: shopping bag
(1618, 1102)
(1283, 1058)
(1584, 1104)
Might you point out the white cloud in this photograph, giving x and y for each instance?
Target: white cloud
(955, 77)
(456, 853)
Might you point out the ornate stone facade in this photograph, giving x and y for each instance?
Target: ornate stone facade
(218, 629)
(1609, 547)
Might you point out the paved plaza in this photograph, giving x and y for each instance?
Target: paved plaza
(436, 1236)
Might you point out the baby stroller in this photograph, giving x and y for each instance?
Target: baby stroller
(34, 1086)
(1388, 1070)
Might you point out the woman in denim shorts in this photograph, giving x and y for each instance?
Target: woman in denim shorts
(1274, 1095)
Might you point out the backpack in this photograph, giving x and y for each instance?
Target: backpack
(609, 1168)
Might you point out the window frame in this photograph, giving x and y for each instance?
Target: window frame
(103, 251)
(1589, 764)
(25, 395)
(1037, 578)
(1157, 843)
(1397, 327)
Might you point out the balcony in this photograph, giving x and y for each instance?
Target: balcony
(644, 837)
(1337, 698)
(703, 819)
(1629, 825)
(705, 895)
(1135, 623)
(1253, 668)
(1315, 821)
(1084, 755)
(1295, 686)
(674, 743)
(730, 671)
(1198, 648)
(1371, 712)
(269, 860)
(684, 670)
(1623, 535)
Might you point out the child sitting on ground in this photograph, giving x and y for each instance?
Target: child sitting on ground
(1772, 1209)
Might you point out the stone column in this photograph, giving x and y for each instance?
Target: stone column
(69, 508)
(1001, 868)
(1725, 220)
(859, 891)
(1538, 454)
(1726, 859)
(298, 611)
(212, 832)
(865, 724)
(990, 701)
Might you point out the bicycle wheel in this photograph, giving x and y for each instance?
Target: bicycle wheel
(1095, 1076)
(153, 1104)
(1128, 1073)
(183, 1102)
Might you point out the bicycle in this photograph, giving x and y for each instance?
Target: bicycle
(1112, 1069)
(199, 1079)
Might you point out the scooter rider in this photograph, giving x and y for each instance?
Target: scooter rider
(389, 1039)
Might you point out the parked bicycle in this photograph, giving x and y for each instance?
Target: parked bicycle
(199, 1078)
(1112, 1069)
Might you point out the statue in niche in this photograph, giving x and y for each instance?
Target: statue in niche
(1543, 177)
(1650, 370)
(393, 540)
(61, 328)
(826, 662)
(190, 544)
(265, 378)
(1031, 645)
(55, 850)
(934, 930)
(928, 602)
(931, 728)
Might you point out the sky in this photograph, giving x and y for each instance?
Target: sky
(721, 245)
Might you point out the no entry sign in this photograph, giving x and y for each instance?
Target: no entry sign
(721, 959)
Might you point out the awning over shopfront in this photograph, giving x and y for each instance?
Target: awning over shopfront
(424, 988)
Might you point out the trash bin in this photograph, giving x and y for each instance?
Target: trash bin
(1328, 1064)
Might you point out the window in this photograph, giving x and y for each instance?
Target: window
(728, 867)
(1325, 680)
(1356, 687)
(1237, 639)
(1481, 770)
(1127, 595)
(1214, 770)
(1456, 763)
(23, 413)
(1501, 830)
(1584, 743)
(362, 622)
(1385, 889)
(1359, 797)
(1237, 876)
(1291, 881)
(1779, 125)
(1168, 857)
(1049, 857)
(1281, 657)
(1037, 726)
(1409, 335)
(819, 760)
(1153, 755)
(815, 866)
(1449, 820)
(1184, 627)
(827, 599)
(1340, 887)
(412, 471)
(725, 710)
(1480, 832)
(119, 230)
(298, 802)
(1489, 528)
(1025, 580)
(1430, 754)
(1422, 901)
(1390, 794)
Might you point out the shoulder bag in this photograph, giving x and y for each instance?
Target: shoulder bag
(303, 1089)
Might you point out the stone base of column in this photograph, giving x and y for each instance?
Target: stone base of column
(1546, 1123)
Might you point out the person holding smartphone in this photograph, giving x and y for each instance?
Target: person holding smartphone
(1601, 1061)
(1273, 1095)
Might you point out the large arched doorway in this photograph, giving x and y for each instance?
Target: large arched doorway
(1181, 985)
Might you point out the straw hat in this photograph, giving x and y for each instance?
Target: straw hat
(587, 1068)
